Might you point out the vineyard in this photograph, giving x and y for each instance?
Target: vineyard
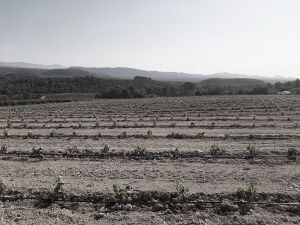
(183, 160)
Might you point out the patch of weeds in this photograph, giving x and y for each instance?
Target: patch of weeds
(176, 153)
(292, 154)
(226, 136)
(52, 134)
(120, 193)
(215, 151)
(105, 149)
(252, 153)
(5, 133)
(37, 152)
(122, 135)
(72, 150)
(176, 135)
(200, 135)
(181, 189)
(149, 133)
(173, 125)
(139, 151)
(3, 148)
(252, 136)
(247, 193)
(2, 187)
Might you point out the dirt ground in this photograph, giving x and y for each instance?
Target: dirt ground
(266, 125)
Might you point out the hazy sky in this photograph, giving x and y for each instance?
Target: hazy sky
(198, 36)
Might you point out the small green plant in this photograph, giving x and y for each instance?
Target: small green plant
(139, 151)
(176, 153)
(52, 134)
(37, 152)
(173, 125)
(153, 123)
(226, 135)
(176, 135)
(149, 133)
(72, 150)
(120, 193)
(2, 187)
(181, 189)
(29, 134)
(200, 135)
(3, 148)
(247, 193)
(5, 133)
(292, 154)
(105, 149)
(251, 152)
(58, 191)
(252, 136)
(122, 135)
(215, 150)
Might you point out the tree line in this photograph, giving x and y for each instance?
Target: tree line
(15, 87)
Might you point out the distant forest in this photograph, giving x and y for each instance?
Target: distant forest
(18, 87)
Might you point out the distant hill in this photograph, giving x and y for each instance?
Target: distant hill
(33, 72)
(130, 73)
(126, 73)
(30, 65)
(233, 82)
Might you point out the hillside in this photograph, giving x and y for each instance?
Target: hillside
(129, 73)
(234, 82)
(30, 65)
(29, 72)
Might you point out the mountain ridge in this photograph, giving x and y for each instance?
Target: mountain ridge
(130, 73)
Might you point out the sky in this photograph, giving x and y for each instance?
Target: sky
(195, 36)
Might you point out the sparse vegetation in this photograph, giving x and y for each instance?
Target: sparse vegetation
(215, 151)
(247, 193)
(252, 153)
(292, 153)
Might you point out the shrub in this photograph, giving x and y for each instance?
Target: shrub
(292, 154)
(73, 150)
(2, 187)
(120, 193)
(139, 151)
(176, 135)
(173, 125)
(122, 135)
(3, 148)
(247, 193)
(29, 134)
(105, 149)
(37, 152)
(251, 152)
(175, 153)
(215, 150)
(181, 189)
(252, 136)
(200, 135)
(58, 191)
(149, 133)
(5, 133)
(52, 133)
(227, 135)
